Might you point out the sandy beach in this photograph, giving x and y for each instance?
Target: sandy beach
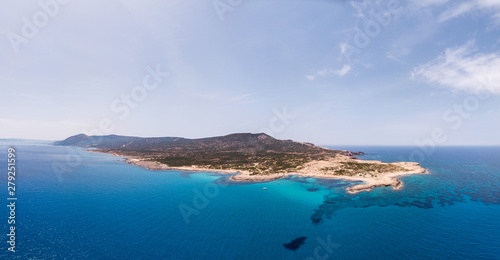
(314, 169)
(152, 165)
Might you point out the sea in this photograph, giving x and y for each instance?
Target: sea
(76, 204)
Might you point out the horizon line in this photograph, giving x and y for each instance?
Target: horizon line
(323, 145)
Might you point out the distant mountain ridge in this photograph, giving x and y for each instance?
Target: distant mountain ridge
(109, 141)
(233, 142)
(235, 151)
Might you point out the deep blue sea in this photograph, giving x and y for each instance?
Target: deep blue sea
(74, 204)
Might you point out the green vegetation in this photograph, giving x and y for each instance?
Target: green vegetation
(257, 163)
(256, 153)
(363, 169)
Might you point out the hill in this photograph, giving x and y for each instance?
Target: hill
(258, 153)
(255, 157)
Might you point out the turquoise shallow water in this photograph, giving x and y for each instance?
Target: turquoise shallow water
(103, 208)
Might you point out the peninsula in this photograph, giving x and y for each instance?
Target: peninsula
(251, 157)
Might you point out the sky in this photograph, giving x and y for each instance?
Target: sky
(329, 72)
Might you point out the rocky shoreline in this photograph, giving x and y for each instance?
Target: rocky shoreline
(250, 158)
(312, 169)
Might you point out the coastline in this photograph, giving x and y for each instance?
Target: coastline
(313, 169)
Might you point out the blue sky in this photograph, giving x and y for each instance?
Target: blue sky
(324, 71)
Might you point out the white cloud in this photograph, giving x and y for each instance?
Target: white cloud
(244, 99)
(429, 2)
(323, 72)
(393, 57)
(343, 71)
(241, 97)
(328, 71)
(456, 11)
(472, 5)
(462, 68)
(397, 54)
